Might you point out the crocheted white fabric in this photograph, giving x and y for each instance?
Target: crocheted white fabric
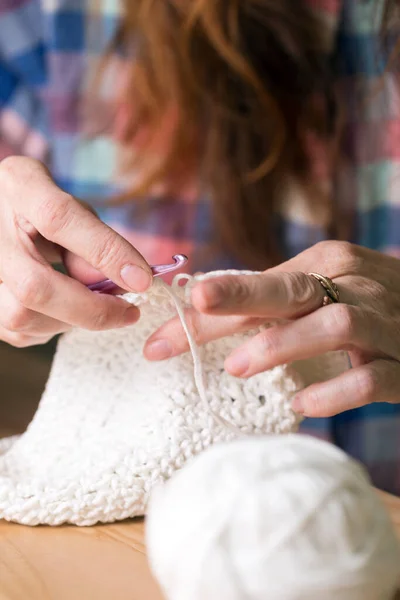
(110, 424)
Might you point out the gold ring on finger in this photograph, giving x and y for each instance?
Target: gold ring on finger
(332, 295)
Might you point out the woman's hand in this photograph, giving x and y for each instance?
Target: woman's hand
(366, 323)
(38, 222)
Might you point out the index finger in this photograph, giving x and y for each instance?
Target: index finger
(64, 221)
(38, 287)
(268, 295)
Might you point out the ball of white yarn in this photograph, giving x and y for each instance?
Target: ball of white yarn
(278, 518)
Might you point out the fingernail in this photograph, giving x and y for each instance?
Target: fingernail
(136, 278)
(238, 363)
(297, 405)
(158, 350)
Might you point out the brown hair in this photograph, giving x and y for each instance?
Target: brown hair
(246, 78)
(391, 44)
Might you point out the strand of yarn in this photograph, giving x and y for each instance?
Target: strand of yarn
(197, 362)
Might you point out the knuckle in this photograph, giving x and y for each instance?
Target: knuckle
(104, 253)
(14, 162)
(345, 254)
(11, 165)
(321, 249)
(33, 291)
(16, 170)
(268, 342)
(312, 401)
(368, 384)
(239, 288)
(55, 214)
(342, 323)
(100, 320)
(17, 318)
(317, 404)
(8, 167)
(105, 316)
(348, 255)
(299, 290)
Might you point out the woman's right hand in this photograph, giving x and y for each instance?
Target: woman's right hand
(38, 221)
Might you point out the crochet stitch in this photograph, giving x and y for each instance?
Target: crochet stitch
(111, 425)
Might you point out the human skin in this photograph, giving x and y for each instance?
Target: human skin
(39, 223)
(366, 323)
(37, 220)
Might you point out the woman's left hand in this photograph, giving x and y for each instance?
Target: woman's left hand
(366, 323)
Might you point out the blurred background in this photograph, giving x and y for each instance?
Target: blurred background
(23, 375)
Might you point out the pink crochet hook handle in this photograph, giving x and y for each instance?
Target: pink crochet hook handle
(107, 286)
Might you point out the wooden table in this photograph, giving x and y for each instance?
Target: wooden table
(105, 562)
(96, 563)
(70, 563)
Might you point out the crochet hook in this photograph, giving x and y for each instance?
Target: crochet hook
(107, 286)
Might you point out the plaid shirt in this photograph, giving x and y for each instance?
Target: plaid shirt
(47, 49)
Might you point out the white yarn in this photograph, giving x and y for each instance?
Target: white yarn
(276, 518)
(197, 364)
(111, 425)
